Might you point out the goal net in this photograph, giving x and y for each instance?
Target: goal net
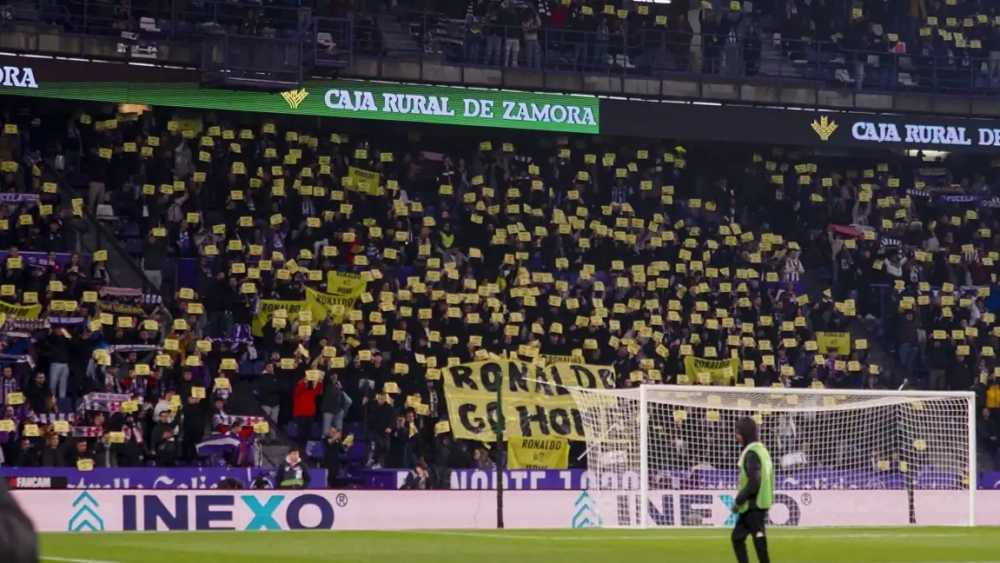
(667, 455)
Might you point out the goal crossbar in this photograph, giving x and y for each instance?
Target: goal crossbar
(658, 430)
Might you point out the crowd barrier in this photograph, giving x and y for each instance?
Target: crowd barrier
(715, 479)
(116, 511)
(141, 477)
(482, 479)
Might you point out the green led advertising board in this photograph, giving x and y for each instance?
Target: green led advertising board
(342, 98)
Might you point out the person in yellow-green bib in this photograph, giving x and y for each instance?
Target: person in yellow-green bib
(756, 493)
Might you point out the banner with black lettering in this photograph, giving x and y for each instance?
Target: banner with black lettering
(555, 359)
(720, 371)
(537, 453)
(536, 401)
(839, 341)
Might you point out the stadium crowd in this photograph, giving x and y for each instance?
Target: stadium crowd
(944, 45)
(314, 282)
(927, 43)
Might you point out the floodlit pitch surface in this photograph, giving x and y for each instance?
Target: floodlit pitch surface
(831, 545)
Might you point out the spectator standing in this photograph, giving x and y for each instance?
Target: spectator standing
(989, 434)
(792, 269)
(304, 400)
(154, 252)
(909, 341)
(333, 405)
(752, 51)
(939, 360)
(59, 362)
(292, 473)
(333, 447)
(474, 32)
(993, 45)
(494, 38)
(105, 453)
(164, 440)
(532, 48)
(600, 55)
(270, 388)
(512, 37)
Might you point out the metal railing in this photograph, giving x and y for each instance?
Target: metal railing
(644, 47)
(143, 30)
(329, 42)
(246, 61)
(178, 21)
(658, 52)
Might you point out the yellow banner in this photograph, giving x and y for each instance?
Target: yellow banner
(20, 311)
(267, 309)
(839, 341)
(554, 359)
(345, 285)
(364, 180)
(193, 124)
(538, 453)
(536, 403)
(719, 370)
(324, 305)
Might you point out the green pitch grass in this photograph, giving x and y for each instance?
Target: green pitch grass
(870, 545)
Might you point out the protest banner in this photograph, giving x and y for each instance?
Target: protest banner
(20, 311)
(719, 370)
(363, 181)
(536, 401)
(839, 341)
(556, 359)
(341, 284)
(537, 453)
(268, 308)
(324, 305)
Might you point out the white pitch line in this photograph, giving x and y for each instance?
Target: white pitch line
(662, 537)
(71, 560)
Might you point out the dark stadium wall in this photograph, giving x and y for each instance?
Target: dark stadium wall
(744, 124)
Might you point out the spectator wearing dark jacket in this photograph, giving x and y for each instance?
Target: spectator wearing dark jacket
(27, 455)
(940, 357)
(37, 393)
(163, 441)
(271, 387)
(53, 454)
(105, 453)
(333, 448)
(333, 405)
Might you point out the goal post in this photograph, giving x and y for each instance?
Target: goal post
(666, 455)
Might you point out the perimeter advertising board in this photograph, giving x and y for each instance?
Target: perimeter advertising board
(443, 105)
(565, 113)
(139, 510)
(701, 122)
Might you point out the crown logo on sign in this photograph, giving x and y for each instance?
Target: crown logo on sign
(824, 127)
(294, 97)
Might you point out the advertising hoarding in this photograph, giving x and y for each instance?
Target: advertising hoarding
(443, 105)
(142, 477)
(701, 122)
(714, 479)
(137, 510)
